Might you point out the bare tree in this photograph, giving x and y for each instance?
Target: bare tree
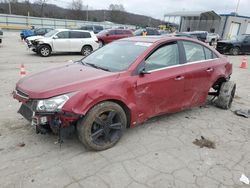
(77, 7)
(117, 7)
(117, 12)
(42, 3)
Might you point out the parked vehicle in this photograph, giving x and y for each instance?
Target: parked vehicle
(201, 35)
(213, 38)
(148, 31)
(239, 45)
(34, 32)
(1, 35)
(95, 28)
(124, 84)
(182, 35)
(109, 35)
(65, 40)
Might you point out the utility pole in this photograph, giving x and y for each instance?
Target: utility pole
(237, 7)
(9, 7)
(87, 13)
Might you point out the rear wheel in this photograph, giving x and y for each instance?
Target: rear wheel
(102, 127)
(86, 50)
(226, 95)
(235, 51)
(44, 51)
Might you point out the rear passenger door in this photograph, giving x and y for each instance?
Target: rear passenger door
(78, 39)
(199, 71)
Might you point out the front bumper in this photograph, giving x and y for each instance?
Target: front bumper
(43, 120)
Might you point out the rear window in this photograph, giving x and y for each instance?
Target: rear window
(78, 34)
(194, 51)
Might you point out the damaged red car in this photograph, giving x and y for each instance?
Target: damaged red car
(124, 84)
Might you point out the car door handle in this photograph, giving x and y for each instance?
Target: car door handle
(210, 70)
(178, 78)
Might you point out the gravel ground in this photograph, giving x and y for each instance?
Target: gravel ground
(158, 153)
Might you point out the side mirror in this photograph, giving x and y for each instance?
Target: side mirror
(143, 71)
(55, 37)
(107, 34)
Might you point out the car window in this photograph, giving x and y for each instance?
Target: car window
(165, 56)
(194, 51)
(40, 31)
(208, 53)
(112, 32)
(150, 32)
(78, 34)
(63, 35)
(90, 28)
(99, 28)
(247, 39)
(118, 32)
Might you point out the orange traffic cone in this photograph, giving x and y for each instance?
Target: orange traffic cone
(22, 71)
(244, 63)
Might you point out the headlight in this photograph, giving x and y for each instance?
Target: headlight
(53, 104)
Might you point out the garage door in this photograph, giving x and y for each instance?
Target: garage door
(248, 28)
(234, 30)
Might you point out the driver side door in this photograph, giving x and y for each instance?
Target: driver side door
(160, 89)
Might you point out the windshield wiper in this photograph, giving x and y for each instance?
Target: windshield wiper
(96, 66)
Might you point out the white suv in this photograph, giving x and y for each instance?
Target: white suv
(64, 40)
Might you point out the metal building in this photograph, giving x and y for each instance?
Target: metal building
(233, 25)
(195, 20)
(226, 25)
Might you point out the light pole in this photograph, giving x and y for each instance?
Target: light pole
(237, 7)
(9, 7)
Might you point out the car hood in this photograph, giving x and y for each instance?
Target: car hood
(61, 80)
(229, 41)
(35, 38)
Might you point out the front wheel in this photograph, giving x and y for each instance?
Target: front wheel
(226, 95)
(44, 51)
(235, 51)
(102, 127)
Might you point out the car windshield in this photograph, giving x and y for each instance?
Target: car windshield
(102, 32)
(116, 56)
(51, 33)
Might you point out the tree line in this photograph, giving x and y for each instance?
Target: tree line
(76, 11)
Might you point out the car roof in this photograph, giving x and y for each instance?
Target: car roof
(72, 30)
(156, 39)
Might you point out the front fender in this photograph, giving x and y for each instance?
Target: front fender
(121, 91)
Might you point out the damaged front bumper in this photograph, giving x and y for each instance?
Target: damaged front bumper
(47, 121)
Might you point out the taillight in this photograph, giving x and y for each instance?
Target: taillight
(97, 41)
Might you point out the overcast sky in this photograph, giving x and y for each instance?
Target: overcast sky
(157, 8)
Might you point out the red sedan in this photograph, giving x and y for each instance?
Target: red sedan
(124, 84)
(109, 35)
